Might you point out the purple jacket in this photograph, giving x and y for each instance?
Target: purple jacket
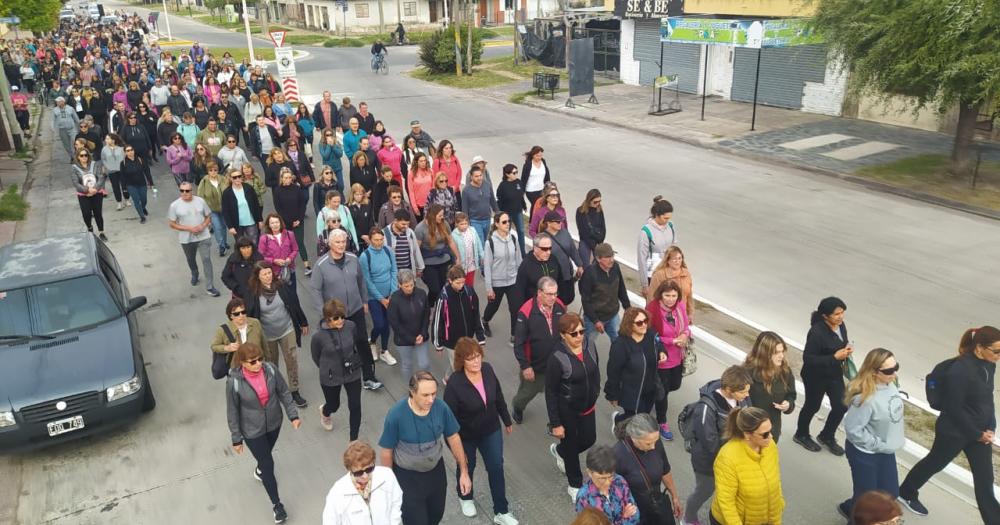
(179, 159)
(271, 250)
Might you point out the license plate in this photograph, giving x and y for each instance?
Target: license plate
(65, 425)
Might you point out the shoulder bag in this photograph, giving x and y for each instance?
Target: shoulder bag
(220, 361)
(660, 506)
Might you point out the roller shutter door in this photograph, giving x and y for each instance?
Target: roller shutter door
(680, 59)
(783, 74)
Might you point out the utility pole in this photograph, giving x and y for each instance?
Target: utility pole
(166, 18)
(399, 11)
(473, 12)
(517, 34)
(264, 15)
(458, 38)
(246, 27)
(381, 18)
(11, 121)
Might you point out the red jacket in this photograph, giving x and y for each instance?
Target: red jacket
(668, 332)
(452, 169)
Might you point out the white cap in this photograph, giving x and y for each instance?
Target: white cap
(477, 159)
(14, 88)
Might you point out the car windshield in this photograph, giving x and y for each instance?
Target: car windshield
(53, 308)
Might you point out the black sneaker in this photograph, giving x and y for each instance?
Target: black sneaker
(845, 510)
(914, 505)
(103, 237)
(279, 513)
(807, 443)
(194, 280)
(486, 328)
(516, 415)
(299, 400)
(832, 445)
(222, 251)
(213, 292)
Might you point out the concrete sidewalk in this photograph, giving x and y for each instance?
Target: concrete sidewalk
(17, 170)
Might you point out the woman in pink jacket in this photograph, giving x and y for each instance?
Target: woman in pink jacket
(279, 249)
(212, 89)
(421, 180)
(390, 155)
(447, 162)
(179, 158)
(668, 315)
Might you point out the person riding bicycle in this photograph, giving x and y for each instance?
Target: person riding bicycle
(378, 54)
(400, 34)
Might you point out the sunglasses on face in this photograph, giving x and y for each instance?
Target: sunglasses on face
(337, 318)
(182, 190)
(503, 222)
(253, 361)
(363, 472)
(640, 322)
(544, 248)
(83, 156)
(334, 221)
(556, 195)
(889, 371)
(231, 142)
(237, 313)
(576, 333)
(236, 177)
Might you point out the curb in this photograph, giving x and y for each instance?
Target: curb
(759, 157)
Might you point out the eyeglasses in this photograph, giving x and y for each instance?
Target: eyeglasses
(237, 313)
(363, 472)
(544, 248)
(889, 371)
(576, 333)
(236, 177)
(182, 190)
(334, 221)
(253, 361)
(231, 141)
(639, 322)
(553, 195)
(763, 435)
(596, 203)
(504, 222)
(83, 155)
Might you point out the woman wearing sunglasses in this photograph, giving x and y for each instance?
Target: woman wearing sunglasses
(874, 426)
(256, 393)
(88, 180)
(632, 385)
(239, 329)
(747, 474)
(335, 354)
(572, 386)
(366, 494)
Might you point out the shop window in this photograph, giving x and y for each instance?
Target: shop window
(361, 10)
(409, 9)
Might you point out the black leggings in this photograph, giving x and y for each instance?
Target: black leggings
(261, 447)
(331, 394)
(435, 276)
(91, 208)
(670, 378)
(424, 494)
(118, 186)
(362, 346)
(816, 388)
(491, 308)
(946, 446)
(581, 434)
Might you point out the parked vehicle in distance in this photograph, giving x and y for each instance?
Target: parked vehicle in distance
(94, 11)
(66, 15)
(110, 20)
(70, 357)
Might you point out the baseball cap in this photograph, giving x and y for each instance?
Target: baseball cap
(414, 123)
(603, 250)
(553, 216)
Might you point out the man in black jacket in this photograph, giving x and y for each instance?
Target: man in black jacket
(176, 102)
(258, 133)
(602, 289)
(535, 336)
(325, 119)
(537, 264)
(240, 203)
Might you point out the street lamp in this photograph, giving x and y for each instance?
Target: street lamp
(246, 27)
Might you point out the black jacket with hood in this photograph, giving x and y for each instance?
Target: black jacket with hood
(709, 423)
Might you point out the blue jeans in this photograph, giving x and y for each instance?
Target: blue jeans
(138, 196)
(380, 323)
(610, 328)
(219, 229)
(871, 472)
(407, 354)
(518, 221)
(491, 448)
(482, 227)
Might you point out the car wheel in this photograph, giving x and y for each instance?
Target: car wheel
(148, 400)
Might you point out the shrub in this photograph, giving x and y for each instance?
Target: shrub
(437, 53)
(12, 205)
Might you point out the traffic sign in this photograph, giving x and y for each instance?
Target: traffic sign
(342, 4)
(290, 88)
(278, 37)
(10, 20)
(286, 63)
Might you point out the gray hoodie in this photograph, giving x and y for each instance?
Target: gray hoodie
(876, 426)
(247, 419)
(501, 258)
(341, 280)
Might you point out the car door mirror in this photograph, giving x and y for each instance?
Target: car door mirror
(136, 303)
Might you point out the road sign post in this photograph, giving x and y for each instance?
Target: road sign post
(278, 37)
(285, 61)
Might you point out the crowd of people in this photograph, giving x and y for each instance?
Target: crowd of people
(405, 235)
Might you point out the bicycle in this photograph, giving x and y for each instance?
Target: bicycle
(380, 64)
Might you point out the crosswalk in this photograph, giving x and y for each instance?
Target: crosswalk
(847, 148)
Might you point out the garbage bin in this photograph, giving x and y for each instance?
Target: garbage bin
(546, 82)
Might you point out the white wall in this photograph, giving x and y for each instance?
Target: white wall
(720, 70)
(629, 66)
(548, 8)
(826, 98)
(371, 22)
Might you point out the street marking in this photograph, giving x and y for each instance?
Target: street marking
(498, 43)
(815, 142)
(861, 150)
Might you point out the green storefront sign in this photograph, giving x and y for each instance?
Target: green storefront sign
(738, 33)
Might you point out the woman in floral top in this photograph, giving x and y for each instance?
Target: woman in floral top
(606, 491)
(443, 196)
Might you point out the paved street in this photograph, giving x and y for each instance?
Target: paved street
(765, 242)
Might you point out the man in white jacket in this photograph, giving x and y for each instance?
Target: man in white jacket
(366, 494)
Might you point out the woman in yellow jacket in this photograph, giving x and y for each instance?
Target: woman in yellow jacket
(747, 475)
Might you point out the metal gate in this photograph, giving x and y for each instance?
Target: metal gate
(607, 49)
(783, 74)
(683, 60)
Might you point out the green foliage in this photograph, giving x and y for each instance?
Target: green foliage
(941, 51)
(36, 15)
(12, 205)
(437, 53)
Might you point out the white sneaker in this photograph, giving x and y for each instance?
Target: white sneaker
(374, 347)
(559, 460)
(573, 492)
(386, 357)
(468, 508)
(325, 421)
(120, 207)
(128, 203)
(504, 519)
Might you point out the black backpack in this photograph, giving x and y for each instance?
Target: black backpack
(685, 423)
(934, 383)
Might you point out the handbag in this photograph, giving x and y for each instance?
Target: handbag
(661, 509)
(849, 368)
(690, 362)
(220, 361)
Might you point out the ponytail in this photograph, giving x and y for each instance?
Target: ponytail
(984, 336)
(743, 419)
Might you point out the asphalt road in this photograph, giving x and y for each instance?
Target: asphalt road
(763, 240)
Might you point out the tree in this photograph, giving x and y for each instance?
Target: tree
(940, 52)
(36, 15)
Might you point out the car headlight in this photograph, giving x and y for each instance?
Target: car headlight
(7, 419)
(124, 389)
